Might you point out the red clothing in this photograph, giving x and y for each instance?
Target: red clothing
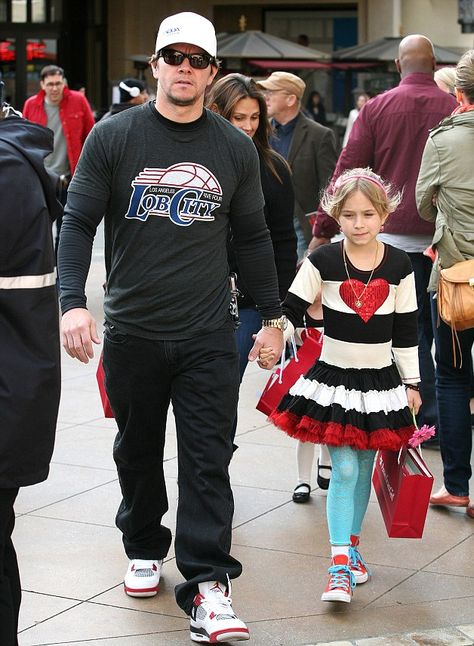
(76, 119)
(389, 135)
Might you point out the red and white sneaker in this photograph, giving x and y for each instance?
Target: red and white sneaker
(341, 580)
(358, 566)
(212, 617)
(142, 578)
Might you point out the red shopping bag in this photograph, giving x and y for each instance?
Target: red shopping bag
(403, 484)
(307, 354)
(108, 412)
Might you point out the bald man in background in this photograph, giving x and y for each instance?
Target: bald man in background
(389, 135)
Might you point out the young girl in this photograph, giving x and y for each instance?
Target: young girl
(359, 396)
(305, 450)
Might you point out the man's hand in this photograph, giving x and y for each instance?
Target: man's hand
(270, 341)
(78, 333)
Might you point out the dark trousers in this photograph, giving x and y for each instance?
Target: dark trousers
(200, 377)
(428, 413)
(250, 324)
(10, 590)
(453, 388)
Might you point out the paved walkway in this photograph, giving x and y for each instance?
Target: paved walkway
(72, 562)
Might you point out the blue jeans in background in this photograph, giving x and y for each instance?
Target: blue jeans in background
(453, 389)
(428, 413)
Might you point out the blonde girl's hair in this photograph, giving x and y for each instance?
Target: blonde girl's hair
(380, 192)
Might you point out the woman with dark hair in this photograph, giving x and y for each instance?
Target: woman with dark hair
(316, 109)
(237, 98)
(445, 195)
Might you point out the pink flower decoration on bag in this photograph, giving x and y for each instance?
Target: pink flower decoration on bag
(420, 435)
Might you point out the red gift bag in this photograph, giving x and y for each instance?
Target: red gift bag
(403, 484)
(307, 354)
(108, 412)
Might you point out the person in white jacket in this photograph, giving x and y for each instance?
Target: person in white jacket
(361, 100)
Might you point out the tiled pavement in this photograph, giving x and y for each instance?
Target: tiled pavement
(72, 562)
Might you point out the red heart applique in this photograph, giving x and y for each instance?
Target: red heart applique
(371, 299)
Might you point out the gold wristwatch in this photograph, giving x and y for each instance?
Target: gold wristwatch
(280, 323)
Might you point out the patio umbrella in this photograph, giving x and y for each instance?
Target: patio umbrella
(386, 49)
(259, 45)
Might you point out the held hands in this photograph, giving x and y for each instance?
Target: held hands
(78, 333)
(267, 348)
(414, 400)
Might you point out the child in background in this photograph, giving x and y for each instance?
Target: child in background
(305, 450)
(359, 396)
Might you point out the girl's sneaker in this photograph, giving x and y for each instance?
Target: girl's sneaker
(341, 581)
(358, 566)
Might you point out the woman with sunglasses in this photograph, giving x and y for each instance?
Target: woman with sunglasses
(237, 98)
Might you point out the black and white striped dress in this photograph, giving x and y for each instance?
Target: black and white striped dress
(354, 394)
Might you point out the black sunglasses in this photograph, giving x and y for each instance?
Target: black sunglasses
(175, 57)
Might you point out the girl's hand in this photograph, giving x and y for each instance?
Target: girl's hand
(414, 400)
(266, 356)
(268, 338)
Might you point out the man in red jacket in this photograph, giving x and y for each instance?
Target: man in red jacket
(68, 114)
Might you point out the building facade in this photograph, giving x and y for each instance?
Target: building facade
(98, 42)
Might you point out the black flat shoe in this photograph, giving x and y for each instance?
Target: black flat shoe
(323, 483)
(301, 492)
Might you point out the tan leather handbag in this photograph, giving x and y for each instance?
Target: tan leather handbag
(456, 298)
(456, 295)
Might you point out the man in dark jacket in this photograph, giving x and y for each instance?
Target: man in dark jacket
(29, 336)
(309, 147)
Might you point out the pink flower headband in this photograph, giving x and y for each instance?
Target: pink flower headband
(341, 180)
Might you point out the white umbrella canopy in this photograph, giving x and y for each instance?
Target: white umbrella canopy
(257, 44)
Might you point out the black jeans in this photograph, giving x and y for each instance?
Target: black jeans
(453, 388)
(200, 377)
(10, 590)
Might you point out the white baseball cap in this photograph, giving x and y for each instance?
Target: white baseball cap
(190, 28)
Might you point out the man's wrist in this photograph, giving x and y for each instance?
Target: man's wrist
(281, 323)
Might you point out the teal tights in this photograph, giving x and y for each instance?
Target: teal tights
(349, 492)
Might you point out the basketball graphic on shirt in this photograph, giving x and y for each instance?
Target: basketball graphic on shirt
(184, 193)
(191, 175)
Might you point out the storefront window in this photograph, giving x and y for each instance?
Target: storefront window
(3, 10)
(30, 11)
(7, 68)
(38, 10)
(19, 10)
(39, 52)
(56, 10)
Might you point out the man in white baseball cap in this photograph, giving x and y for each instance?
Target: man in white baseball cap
(172, 178)
(187, 27)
